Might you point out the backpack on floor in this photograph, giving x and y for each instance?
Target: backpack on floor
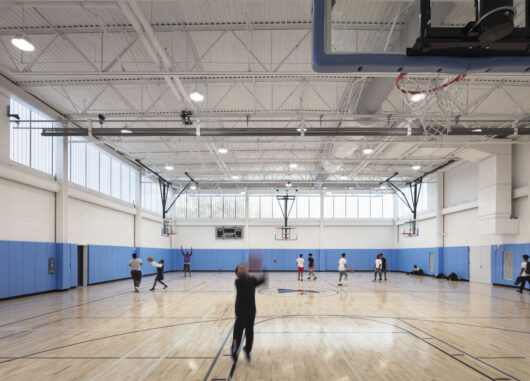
(452, 276)
(440, 276)
(420, 272)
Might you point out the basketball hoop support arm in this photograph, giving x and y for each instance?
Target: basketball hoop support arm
(285, 211)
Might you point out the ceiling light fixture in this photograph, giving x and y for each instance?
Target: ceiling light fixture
(196, 96)
(126, 131)
(293, 165)
(169, 167)
(477, 130)
(288, 185)
(23, 44)
(299, 129)
(416, 167)
(344, 177)
(368, 151)
(417, 97)
(383, 186)
(328, 192)
(222, 150)
(193, 187)
(235, 177)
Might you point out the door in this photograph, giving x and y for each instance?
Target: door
(80, 272)
(480, 264)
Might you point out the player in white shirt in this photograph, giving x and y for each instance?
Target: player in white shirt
(378, 268)
(300, 265)
(342, 269)
(524, 275)
(136, 271)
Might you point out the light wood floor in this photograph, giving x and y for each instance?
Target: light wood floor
(409, 328)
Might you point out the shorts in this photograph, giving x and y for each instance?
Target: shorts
(186, 267)
(300, 269)
(343, 272)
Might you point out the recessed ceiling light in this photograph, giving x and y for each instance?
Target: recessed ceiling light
(235, 177)
(196, 96)
(288, 184)
(324, 188)
(193, 187)
(382, 186)
(368, 151)
(416, 167)
(300, 129)
(222, 150)
(126, 131)
(477, 130)
(23, 44)
(169, 167)
(293, 165)
(344, 177)
(417, 97)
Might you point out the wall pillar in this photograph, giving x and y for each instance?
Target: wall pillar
(61, 197)
(138, 215)
(4, 129)
(440, 232)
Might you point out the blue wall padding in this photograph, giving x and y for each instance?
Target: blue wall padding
(497, 273)
(66, 264)
(106, 263)
(456, 260)
(407, 258)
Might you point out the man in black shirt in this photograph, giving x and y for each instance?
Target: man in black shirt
(245, 309)
(311, 261)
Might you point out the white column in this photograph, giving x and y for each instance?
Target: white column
(246, 232)
(138, 215)
(440, 233)
(4, 129)
(61, 197)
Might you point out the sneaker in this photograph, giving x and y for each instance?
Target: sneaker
(165, 287)
(315, 278)
(519, 291)
(247, 354)
(151, 289)
(308, 277)
(340, 284)
(374, 280)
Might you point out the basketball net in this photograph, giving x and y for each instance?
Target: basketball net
(433, 101)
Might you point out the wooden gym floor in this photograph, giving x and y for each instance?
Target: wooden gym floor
(409, 328)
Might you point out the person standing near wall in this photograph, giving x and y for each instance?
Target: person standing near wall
(524, 275)
(378, 269)
(187, 260)
(136, 271)
(384, 268)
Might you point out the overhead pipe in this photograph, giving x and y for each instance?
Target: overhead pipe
(322, 131)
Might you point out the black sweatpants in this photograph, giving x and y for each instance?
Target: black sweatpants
(244, 321)
(159, 278)
(136, 277)
(524, 279)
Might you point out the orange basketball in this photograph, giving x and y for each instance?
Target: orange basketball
(351, 270)
(275, 261)
(150, 259)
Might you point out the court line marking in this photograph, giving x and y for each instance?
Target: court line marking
(464, 352)
(469, 325)
(334, 342)
(174, 346)
(212, 365)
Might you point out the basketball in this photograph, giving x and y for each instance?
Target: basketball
(351, 270)
(275, 261)
(150, 259)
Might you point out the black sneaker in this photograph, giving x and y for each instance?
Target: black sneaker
(165, 287)
(519, 291)
(151, 289)
(247, 354)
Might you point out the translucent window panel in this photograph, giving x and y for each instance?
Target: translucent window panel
(314, 207)
(339, 207)
(352, 209)
(253, 206)
(92, 157)
(125, 185)
(507, 265)
(205, 207)
(181, 206)
(115, 178)
(328, 207)
(229, 207)
(78, 163)
(376, 207)
(41, 147)
(364, 207)
(217, 207)
(20, 137)
(240, 207)
(388, 206)
(302, 207)
(431, 262)
(266, 206)
(192, 207)
(134, 184)
(104, 173)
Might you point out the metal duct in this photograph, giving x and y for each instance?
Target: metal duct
(323, 131)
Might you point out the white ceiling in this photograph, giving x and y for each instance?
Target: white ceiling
(252, 61)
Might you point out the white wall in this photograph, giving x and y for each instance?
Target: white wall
(520, 165)
(89, 223)
(150, 234)
(461, 184)
(310, 236)
(426, 237)
(26, 213)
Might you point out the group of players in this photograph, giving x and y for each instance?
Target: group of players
(380, 267)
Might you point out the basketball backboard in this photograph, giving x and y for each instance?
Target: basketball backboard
(420, 36)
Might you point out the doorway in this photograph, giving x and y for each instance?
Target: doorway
(80, 261)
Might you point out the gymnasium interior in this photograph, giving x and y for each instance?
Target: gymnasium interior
(252, 132)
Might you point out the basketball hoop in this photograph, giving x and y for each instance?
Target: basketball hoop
(432, 100)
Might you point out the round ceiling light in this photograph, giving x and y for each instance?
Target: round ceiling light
(23, 44)
(196, 96)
